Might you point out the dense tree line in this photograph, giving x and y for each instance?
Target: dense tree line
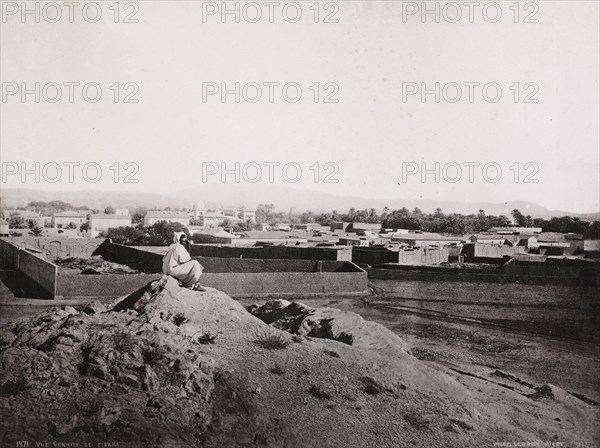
(158, 234)
(49, 208)
(454, 223)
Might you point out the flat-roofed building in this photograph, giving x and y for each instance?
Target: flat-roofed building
(65, 219)
(216, 236)
(239, 213)
(353, 241)
(487, 238)
(101, 222)
(426, 239)
(311, 227)
(154, 216)
(216, 219)
(364, 227)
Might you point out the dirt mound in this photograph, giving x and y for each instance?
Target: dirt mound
(330, 323)
(172, 367)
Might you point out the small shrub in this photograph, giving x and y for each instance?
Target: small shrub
(417, 421)
(371, 386)
(179, 319)
(152, 354)
(123, 341)
(273, 341)
(277, 369)
(206, 338)
(317, 392)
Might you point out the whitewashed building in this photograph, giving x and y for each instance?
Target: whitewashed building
(101, 222)
(153, 216)
(64, 219)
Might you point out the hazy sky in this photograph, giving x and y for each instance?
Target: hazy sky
(368, 134)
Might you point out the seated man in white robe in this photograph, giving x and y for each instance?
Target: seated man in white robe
(178, 263)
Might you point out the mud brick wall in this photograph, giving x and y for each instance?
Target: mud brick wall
(150, 262)
(371, 256)
(111, 285)
(277, 283)
(272, 252)
(9, 254)
(248, 265)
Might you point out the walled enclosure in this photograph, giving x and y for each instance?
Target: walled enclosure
(234, 276)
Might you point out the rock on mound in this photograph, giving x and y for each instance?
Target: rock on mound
(167, 366)
(330, 323)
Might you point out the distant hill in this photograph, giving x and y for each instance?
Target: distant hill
(284, 198)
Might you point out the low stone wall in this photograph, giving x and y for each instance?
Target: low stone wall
(39, 270)
(532, 273)
(424, 275)
(244, 284)
(288, 283)
(556, 270)
(111, 285)
(272, 252)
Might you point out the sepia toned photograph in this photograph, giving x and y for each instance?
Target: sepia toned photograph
(299, 224)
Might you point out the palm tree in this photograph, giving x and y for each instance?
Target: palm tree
(36, 230)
